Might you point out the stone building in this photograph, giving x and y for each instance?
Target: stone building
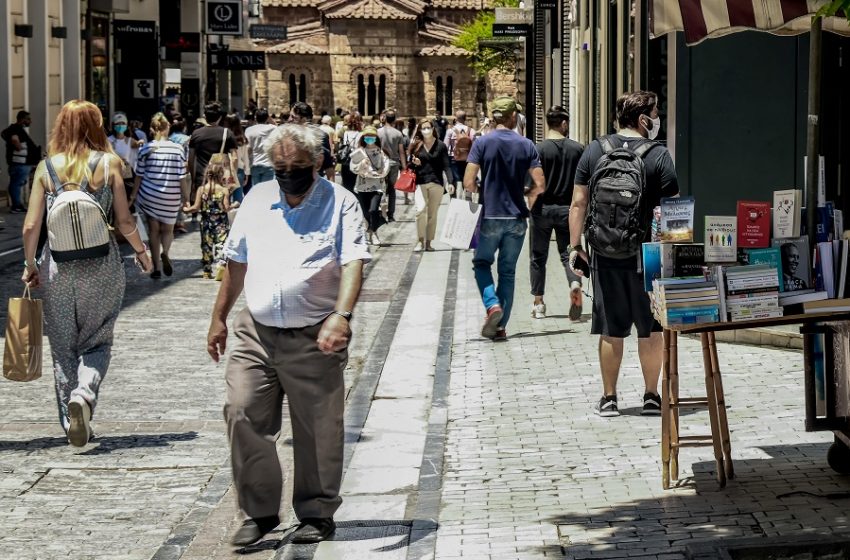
(372, 54)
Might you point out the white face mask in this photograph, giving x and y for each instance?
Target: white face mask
(656, 126)
(427, 132)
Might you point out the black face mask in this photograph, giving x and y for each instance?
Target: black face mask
(296, 181)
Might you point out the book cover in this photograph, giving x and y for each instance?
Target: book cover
(806, 295)
(796, 263)
(837, 224)
(824, 222)
(651, 264)
(825, 269)
(677, 219)
(769, 256)
(721, 239)
(786, 216)
(688, 259)
(753, 224)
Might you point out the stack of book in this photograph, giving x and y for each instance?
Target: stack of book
(685, 301)
(752, 292)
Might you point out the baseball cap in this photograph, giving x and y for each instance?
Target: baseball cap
(119, 118)
(503, 105)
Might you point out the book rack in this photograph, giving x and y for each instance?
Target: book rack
(715, 401)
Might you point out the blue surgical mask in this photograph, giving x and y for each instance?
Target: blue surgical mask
(120, 128)
(369, 140)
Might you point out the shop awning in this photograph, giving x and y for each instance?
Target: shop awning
(707, 19)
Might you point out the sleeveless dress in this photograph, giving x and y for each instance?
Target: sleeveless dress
(214, 229)
(82, 299)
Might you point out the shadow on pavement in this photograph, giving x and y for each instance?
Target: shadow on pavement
(792, 493)
(108, 444)
(349, 531)
(544, 333)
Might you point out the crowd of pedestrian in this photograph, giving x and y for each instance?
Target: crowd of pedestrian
(297, 244)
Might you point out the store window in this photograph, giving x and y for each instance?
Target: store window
(297, 88)
(371, 93)
(444, 87)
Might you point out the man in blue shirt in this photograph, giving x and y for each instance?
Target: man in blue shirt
(505, 159)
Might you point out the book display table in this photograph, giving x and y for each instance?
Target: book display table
(714, 399)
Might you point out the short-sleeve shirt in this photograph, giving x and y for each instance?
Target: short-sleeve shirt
(205, 142)
(560, 159)
(295, 255)
(256, 136)
(505, 159)
(161, 164)
(661, 177)
(391, 138)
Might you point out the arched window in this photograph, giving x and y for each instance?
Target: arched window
(371, 93)
(297, 88)
(444, 95)
(361, 94)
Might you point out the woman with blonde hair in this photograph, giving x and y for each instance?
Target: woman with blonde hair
(157, 192)
(429, 158)
(82, 296)
(213, 202)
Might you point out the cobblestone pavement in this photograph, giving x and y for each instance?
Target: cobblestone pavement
(456, 447)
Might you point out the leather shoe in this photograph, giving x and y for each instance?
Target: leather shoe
(313, 530)
(253, 530)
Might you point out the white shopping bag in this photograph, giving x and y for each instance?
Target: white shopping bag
(143, 230)
(461, 221)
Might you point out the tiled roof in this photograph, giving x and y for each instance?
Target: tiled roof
(442, 50)
(461, 4)
(370, 9)
(296, 47)
(289, 3)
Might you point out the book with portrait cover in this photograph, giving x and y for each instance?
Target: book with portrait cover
(753, 224)
(796, 263)
(721, 239)
(677, 219)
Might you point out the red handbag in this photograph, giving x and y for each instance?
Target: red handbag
(406, 181)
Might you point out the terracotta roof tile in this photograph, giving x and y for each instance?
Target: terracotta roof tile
(289, 3)
(461, 4)
(442, 50)
(370, 9)
(296, 47)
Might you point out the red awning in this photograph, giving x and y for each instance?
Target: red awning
(707, 19)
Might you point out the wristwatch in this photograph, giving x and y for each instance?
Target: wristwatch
(344, 314)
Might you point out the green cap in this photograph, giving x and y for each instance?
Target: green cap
(370, 131)
(503, 105)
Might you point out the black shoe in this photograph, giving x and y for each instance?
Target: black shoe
(651, 405)
(18, 210)
(253, 530)
(313, 530)
(156, 275)
(607, 406)
(390, 219)
(167, 269)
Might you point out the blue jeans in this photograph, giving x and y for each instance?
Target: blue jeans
(238, 194)
(260, 174)
(18, 177)
(506, 237)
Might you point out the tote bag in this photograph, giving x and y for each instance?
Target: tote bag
(22, 355)
(461, 222)
(406, 181)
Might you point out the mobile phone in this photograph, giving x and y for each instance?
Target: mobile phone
(581, 264)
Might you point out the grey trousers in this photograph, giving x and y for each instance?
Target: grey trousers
(265, 364)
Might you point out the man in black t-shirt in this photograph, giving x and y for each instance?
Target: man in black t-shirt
(207, 141)
(559, 156)
(21, 154)
(619, 299)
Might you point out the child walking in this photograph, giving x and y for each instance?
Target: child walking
(213, 201)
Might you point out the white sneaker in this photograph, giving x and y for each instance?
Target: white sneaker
(79, 415)
(376, 239)
(538, 311)
(419, 247)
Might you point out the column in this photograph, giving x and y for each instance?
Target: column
(191, 64)
(72, 47)
(37, 70)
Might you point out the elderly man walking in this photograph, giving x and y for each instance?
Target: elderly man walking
(292, 337)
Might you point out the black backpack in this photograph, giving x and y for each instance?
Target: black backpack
(619, 217)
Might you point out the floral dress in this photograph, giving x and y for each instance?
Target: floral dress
(214, 229)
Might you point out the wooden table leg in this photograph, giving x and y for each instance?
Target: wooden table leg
(674, 409)
(665, 411)
(721, 408)
(711, 393)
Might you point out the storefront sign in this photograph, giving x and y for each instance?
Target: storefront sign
(514, 15)
(238, 60)
(143, 88)
(546, 4)
(511, 30)
(224, 17)
(134, 28)
(274, 32)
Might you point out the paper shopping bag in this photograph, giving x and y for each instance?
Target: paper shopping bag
(22, 356)
(142, 227)
(461, 221)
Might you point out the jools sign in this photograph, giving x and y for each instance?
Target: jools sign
(238, 60)
(224, 17)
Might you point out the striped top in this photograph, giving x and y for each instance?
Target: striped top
(161, 165)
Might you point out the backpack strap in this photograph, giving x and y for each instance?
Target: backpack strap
(607, 145)
(84, 184)
(644, 148)
(223, 140)
(54, 177)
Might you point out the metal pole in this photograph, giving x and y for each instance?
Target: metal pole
(813, 131)
(530, 112)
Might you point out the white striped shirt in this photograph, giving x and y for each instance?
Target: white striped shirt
(161, 165)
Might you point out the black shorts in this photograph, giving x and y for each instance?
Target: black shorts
(619, 300)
